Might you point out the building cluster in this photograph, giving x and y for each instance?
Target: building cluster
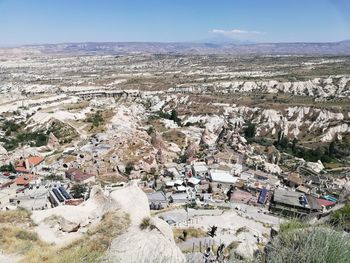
(296, 194)
(34, 186)
(217, 180)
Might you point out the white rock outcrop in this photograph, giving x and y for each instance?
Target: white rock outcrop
(141, 246)
(62, 224)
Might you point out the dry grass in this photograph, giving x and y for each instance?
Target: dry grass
(241, 230)
(69, 158)
(158, 125)
(175, 136)
(233, 245)
(191, 233)
(53, 219)
(332, 165)
(18, 240)
(89, 248)
(107, 115)
(16, 217)
(76, 106)
(134, 150)
(15, 232)
(70, 106)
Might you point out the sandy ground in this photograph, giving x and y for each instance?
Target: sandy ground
(9, 258)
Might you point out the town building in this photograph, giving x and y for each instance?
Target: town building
(31, 164)
(199, 169)
(294, 203)
(80, 177)
(223, 177)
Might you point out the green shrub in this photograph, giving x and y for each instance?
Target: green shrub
(312, 244)
(341, 217)
(78, 190)
(96, 119)
(250, 131)
(129, 167)
(146, 223)
(292, 225)
(7, 168)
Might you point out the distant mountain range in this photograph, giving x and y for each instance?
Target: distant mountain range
(331, 48)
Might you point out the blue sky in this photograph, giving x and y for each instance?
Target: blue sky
(56, 21)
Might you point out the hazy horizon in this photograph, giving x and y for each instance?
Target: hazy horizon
(49, 22)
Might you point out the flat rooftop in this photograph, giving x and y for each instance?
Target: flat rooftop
(222, 177)
(287, 197)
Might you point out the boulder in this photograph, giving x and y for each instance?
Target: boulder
(137, 246)
(315, 166)
(68, 226)
(141, 246)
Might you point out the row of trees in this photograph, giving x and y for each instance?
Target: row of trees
(325, 154)
(7, 168)
(173, 115)
(36, 139)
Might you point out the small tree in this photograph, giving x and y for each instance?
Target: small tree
(150, 130)
(331, 149)
(173, 115)
(8, 168)
(210, 189)
(294, 145)
(284, 142)
(129, 167)
(96, 119)
(250, 131)
(78, 190)
(182, 158)
(153, 170)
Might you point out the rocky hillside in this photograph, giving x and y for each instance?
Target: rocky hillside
(336, 86)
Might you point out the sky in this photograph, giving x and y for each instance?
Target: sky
(62, 21)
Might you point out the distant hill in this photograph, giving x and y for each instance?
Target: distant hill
(225, 40)
(331, 48)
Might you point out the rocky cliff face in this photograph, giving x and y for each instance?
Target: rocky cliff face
(298, 122)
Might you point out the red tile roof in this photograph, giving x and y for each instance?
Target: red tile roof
(6, 184)
(74, 202)
(32, 161)
(21, 169)
(24, 179)
(325, 202)
(77, 175)
(35, 160)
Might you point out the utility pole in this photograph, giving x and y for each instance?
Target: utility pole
(187, 212)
